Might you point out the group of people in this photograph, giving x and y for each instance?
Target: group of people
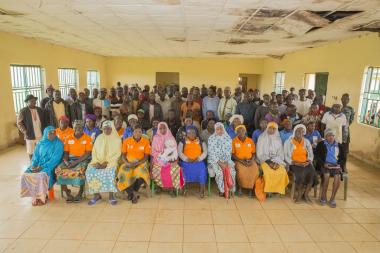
(169, 138)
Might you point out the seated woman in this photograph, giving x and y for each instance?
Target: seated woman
(100, 173)
(270, 155)
(118, 122)
(209, 130)
(153, 131)
(273, 114)
(330, 158)
(193, 152)
(39, 177)
(220, 164)
(134, 170)
(166, 172)
(72, 170)
(299, 156)
(90, 128)
(235, 120)
(256, 134)
(243, 153)
(287, 130)
(63, 131)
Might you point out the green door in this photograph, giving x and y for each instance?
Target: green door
(321, 83)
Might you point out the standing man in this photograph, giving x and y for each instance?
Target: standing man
(336, 121)
(227, 104)
(72, 96)
(177, 104)
(247, 108)
(349, 112)
(152, 109)
(103, 103)
(31, 122)
(262, 110)
(303, 104)
(49, 92)
(95, 93)
(210, 102)
(80, 108)
(191, 106)
(165, 103)
(57, 108)
(184, 93)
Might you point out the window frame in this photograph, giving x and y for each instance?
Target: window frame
(370, 96)
(91, 85)
(27, 86)
(65, 87)
(279, 86)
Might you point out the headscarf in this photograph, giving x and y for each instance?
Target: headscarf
(298, 126)
(236, 116)
(240, 126)
(107, 148)
(269, 146)
(132, 116)
(48, 154)
(158, 143)
(192, 127)
(91, 116)
(219, 147)
(329, 131)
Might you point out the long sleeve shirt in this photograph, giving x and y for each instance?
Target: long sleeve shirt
(226, 105)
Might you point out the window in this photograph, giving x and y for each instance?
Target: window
(26, 79)
(309, 82)
(279, 82)
(369, 108)
(93, 80)
(67, 78)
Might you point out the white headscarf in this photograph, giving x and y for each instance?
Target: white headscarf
(269, 146)
(298, 126)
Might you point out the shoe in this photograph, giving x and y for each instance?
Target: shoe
(332, 203)
(322, 202)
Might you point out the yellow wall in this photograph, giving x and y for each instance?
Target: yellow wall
(20, 50)
(345, 61)
(192, 71)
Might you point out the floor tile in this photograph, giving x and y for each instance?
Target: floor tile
(61, 246)
(302, 247)
(366, 247)
(323, 233)
(106, 231)
(160, 247)
(281, 217)
(42, 230)
(261, 233)
(373, 229)
(73, 231)
(130, 247)
(262, 247)
(250, 217)
(165, 216)
(141, 216)
(13, 229)
(96, 246)
(199, 233)
(112, 215)
(200, 247)
(4, 243)
(136, 232)
(353, 232)
(26, 245)
(335, 247)
(363, 215)
(167, 233)
(309, 216)
(197, 217)
(292, 233)
(230, 233)
(234, 247)
(335, 215)
(226, 217)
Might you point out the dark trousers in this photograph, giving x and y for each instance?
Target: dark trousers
(135, 186)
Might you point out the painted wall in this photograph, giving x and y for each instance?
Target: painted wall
(345, 61)
(20, 50)
(192, 71)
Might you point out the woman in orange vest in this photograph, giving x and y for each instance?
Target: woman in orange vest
(243, 153)
(63, 131)
(193, 152)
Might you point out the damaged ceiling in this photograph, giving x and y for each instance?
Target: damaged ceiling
(190, 28)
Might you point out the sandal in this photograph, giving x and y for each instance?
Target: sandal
(135, 199)
(77, 199)
(322, 202)
(112, 201)
(332, 204)
(93, 201)
(70, 199)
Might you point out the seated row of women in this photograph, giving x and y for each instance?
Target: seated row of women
(110, 165)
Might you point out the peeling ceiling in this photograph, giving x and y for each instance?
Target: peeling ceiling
(190, 28)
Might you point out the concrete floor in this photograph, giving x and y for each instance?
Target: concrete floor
(164, 224)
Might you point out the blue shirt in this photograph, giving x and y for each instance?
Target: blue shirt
(314, 135)
(256, 134)
(210, 104)
(285, 134)
(332, 152)
(231, 132)
(128, 132)
(92, 133)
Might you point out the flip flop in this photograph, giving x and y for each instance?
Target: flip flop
(332, 204)
(93, 201)
(323, 202)
(112, 201)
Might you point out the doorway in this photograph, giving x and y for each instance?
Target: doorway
(248, 81)
(165, 78)
(317, 82)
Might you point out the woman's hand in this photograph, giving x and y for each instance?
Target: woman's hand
(36, 168)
